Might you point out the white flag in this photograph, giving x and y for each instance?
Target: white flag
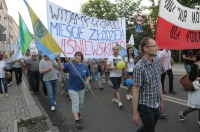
(131, 40)
(18, 51)
(33, 47)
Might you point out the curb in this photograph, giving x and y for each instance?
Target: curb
(32, 106)
(34, 102)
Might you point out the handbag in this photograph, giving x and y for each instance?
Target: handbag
(8, 75)
(99, 67)
(187, 83)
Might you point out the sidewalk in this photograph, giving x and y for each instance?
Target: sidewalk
(21, 104)
(178, 69)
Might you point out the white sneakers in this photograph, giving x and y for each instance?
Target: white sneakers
(6, 95)
(2, 95)
(129, 97)
(53, 108)
(114, 100)
(120, 104)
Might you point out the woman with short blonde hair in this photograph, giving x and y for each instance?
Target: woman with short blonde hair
(9, 66)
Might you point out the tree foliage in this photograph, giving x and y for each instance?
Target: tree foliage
(104, 9)
(189, 3)
(101, 9)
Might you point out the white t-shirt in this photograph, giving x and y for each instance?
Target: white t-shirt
(2, 72)
(130, 64)
(113, 61)
(166, 56)
(25, 58)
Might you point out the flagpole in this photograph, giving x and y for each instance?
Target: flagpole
(84, 82)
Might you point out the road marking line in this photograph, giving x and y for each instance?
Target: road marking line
(173, 98)
(167, 98)
(177, 102)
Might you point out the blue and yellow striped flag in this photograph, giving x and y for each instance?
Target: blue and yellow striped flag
(44, 40)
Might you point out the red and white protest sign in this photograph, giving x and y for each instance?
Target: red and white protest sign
(178, 27)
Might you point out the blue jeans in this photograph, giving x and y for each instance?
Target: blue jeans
(51, 90)
(98, 75)
(188, 68)
(4, 84)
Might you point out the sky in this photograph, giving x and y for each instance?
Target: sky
(39, 7)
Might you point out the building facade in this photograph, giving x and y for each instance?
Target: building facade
(11, 28)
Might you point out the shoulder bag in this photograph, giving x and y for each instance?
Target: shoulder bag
(99, 67)
(187, 83)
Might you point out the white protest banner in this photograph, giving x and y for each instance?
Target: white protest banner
(178, 27)
(75, 32)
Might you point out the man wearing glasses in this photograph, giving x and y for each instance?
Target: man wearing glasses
(115, 74)
(147, 94)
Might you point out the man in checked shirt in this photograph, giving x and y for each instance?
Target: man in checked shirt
(147, 94)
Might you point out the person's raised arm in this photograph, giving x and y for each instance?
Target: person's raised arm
(60, 66)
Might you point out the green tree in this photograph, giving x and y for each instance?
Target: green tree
(189, 3)
(101, 9)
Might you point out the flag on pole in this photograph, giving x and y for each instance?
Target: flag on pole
(122, 51)
(25, 35)
(135, 49)
(17, 51)
(131, 40)
(43, 39)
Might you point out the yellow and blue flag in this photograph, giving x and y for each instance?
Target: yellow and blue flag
(43, 39)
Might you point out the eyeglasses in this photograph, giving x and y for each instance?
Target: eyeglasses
(154, 46)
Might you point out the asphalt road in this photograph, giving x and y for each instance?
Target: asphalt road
(107, 117)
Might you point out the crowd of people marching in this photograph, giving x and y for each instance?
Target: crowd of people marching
(147, 71)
